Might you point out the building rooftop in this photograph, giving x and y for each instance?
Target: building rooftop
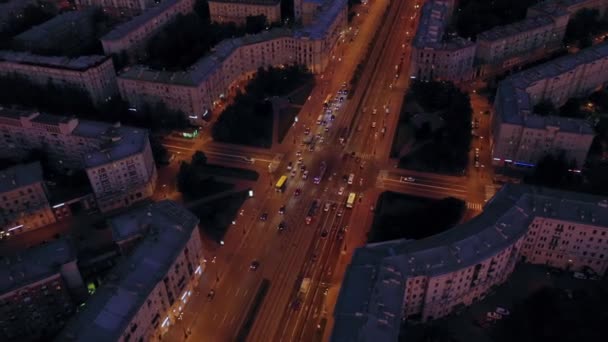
(119, 141)
(58, 25)
(122, 30)
(108, 312)
(19, 176)
(80, 63)
(515, 106)
(323, 21)
(434, 18)
(205, 66)
(34, 264)
(368, 295)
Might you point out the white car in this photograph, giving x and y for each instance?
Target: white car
(408, 179)
(374, 124)
(374, 111)
(579, 275)
(327, 206)
(341, 191)
(305, 175)
(502, 311)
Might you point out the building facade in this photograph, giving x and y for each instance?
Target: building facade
(95, 75)
(132, 36)
(117, 7)
(40, 288)
(118, 159)
(143, 295)
(200, 88)
(430, 278)
(237, 11)
(24, 203)
(436, 56)
(519, 136)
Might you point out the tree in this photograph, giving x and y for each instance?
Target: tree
(545, 108)
(199, 159)
(552, 171)
(583, 26)
(255, 23)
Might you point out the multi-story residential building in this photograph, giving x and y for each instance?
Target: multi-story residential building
(570, 6)
(143, 295)
(519, 136)
(200, 88)
(40, 289)
(435, 55)
(24, 203)
(237, 11)
(118, 159)
(95, 75)
(430, 278)
(59, 30)
(132, 36)
(500, 43)
(118, 7)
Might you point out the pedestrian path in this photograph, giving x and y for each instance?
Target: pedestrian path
(474, 206)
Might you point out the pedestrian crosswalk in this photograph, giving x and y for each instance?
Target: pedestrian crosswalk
(474, 206)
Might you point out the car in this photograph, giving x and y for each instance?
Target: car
(290, 166)
(210, 295)
(305, 175)
(371, 208)
(298, 153)
(332, 117)
(298, 192)
(303, 168)
(374, 111)
(494, 315)
(281, 226)
(293, 173)
(502, 311)
(341, 190)
(264, 217)
(327, 206)
(408, 179)
(339, 213)
(386, 110)
(254, 265)
(477, 164)
(362, 165)
(334, 206)
(374, 124)
(282, 210)
(579, 275)
(345, 178)
(324, 234)
(307, 131)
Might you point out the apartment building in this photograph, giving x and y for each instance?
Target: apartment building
(436, 56)
(198, 89)
(500, 43)
(118, 7)
(24, 203)
(144, 294)
(118, 159)
(95, 75)
(429, 278)
(135, 33)
(40, 288)
(237, 11)
(61, 29)
(519, 136)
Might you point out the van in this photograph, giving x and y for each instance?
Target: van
(351, 178)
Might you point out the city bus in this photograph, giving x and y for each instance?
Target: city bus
(350, 202)
(280, 186)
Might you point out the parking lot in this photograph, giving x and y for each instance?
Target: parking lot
(471, 324)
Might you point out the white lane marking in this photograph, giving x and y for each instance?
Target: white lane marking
(237, 292)
(224, 319)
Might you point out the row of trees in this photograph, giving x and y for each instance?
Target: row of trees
(188, 37)
(446, 149)
(249, 119)
(194, 182)
(584, 26)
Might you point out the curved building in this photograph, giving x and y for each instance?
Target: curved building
(428, 279)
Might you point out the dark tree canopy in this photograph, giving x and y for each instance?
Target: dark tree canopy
(583, 26)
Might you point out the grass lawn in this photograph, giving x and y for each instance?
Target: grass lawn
(217, 216)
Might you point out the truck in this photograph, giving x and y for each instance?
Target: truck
(312, 211)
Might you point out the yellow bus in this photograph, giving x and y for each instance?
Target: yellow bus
(351, 200)
(280, 187)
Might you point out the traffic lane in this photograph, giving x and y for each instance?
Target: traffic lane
(424, 190)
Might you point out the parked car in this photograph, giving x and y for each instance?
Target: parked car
(494, 315)
(579, 275)
(502, 311)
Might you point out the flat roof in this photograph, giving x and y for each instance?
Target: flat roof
(434, 18)
(515, 106)
(56, 24)
(120, 141)
(368, 293)
(324, 19)
(80, 63)
(19, 176)
(150, 14)
(502, 32)
(34, 264)
(108, 312)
